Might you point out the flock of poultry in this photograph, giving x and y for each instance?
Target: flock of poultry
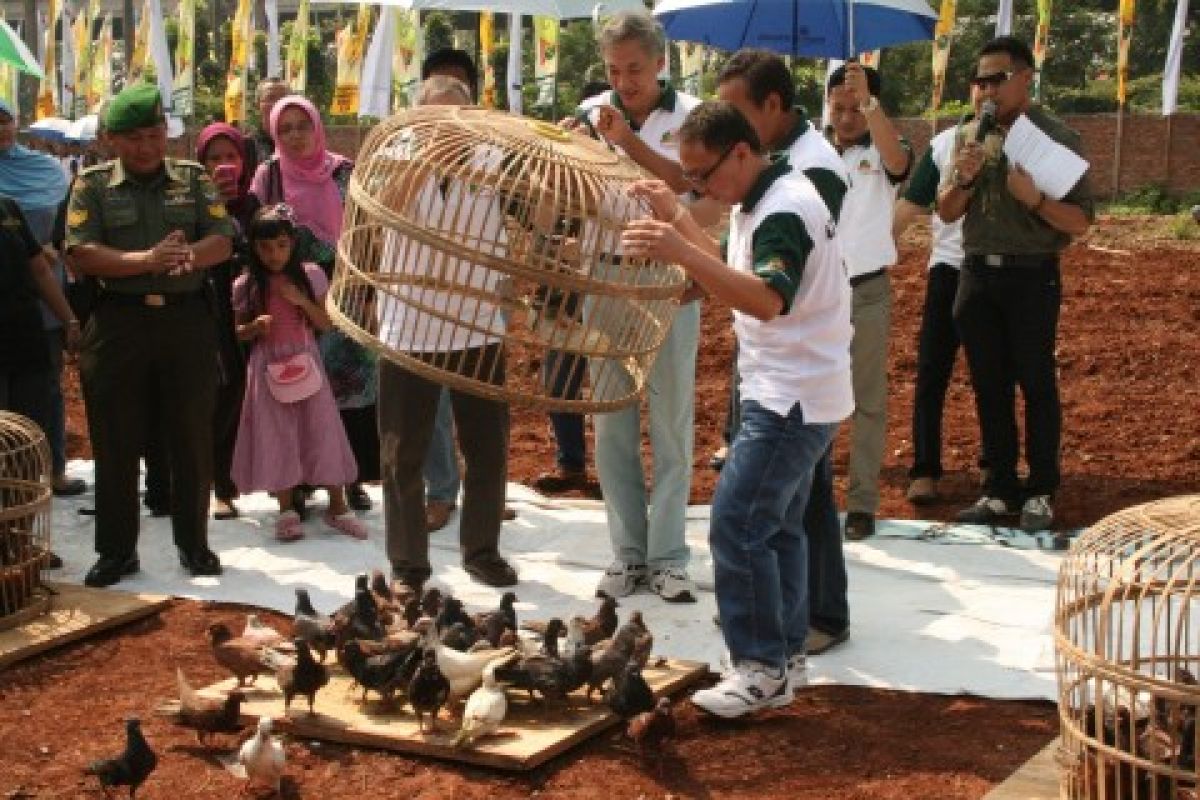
(391, 641)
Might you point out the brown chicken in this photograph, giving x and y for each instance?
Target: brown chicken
(650, 730)
(600, 626)
(208, 715)
(245, 658)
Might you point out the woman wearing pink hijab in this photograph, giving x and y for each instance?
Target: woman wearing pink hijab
(313, 180)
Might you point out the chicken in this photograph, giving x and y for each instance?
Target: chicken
(452, 614)
(385, 598)
(263, 757)
(459, 637)
(245, 658)
(575, 639)
(131, 767)
(545, 672)
(380, 673)
(486, 708)
(611, 660)
(650, 730)
(317, 630)
(431, 602)
(258, 631)
(595, 629)
(506, 613)
(629, 694)
(305, 677)
(364, 622)
(463, 670)
(428, 691)
(208, 715)
(412, 612)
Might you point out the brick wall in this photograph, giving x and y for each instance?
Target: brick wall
(1147, 157)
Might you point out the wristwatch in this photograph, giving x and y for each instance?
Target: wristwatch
(871, 105)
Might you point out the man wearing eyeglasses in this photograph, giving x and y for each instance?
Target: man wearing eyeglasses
(1010, 289)
(878, 160)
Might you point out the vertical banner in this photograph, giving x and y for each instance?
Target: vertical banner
(8, 75)
(295, 68)
(375, 95)
(691, 67)
(141, 46)
(545, 59)
(515, 59)
(943, 33)
(184, 93)
(81, 35)
(101, 78)
(1174, 59)
(47, 98)
(487, 48)
(271, 8)
(1004, 16)
(350, 43)
(407, 57)
(1125, 14)
(67, 101)
(160, 54)
(235, 90)
(1041, 43)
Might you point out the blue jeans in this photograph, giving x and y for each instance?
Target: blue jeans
(442, 480)
(563, 376)
(828, 608)
(757, 537)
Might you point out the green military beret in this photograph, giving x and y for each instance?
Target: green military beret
(138, 106)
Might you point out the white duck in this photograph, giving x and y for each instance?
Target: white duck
(463, 670)
(485, 709)
(263, 757)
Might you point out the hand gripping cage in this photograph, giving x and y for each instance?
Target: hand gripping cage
(470, 234)
(1127, 662)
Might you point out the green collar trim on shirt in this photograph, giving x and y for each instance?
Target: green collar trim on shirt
(666, 100)
(119, 175)
(766, 178)
(799, 129)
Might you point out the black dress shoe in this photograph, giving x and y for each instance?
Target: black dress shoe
(357, 497)
(110, 569)
(491, 570)
(859, 525)
(69, 487)
(200, 562)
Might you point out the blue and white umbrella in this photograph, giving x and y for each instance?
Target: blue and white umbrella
(814, 28)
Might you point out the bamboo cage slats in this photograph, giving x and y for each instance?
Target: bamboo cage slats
(25, 496)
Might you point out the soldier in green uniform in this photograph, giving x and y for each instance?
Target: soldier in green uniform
(146, 226)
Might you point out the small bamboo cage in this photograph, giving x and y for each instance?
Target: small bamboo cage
(25, 495)
(481, 250)
(1126, 659)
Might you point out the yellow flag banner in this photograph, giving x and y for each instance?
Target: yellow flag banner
(184, 90)
(487, 48)
(1124, 38)
(943, 33)
(101, 85)
(47, 98)
(81, 35)
(141, 46)
(1041, 42)
(406, 60)
(295, 67)
(545, 59)
(349, 67)
(235, 90)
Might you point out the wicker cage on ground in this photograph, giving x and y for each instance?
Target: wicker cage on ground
(1127, 662)
(470, 234)
(26, 489)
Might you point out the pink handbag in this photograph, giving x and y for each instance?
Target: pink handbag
(293, 379)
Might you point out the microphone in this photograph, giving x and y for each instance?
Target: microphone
(986, 121)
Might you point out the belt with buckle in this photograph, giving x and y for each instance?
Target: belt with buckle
(1014, 261)
(159, 300)
(858, 280)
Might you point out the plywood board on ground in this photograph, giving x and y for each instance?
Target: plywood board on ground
(75, 613)
(532, 734)
(1037, 779)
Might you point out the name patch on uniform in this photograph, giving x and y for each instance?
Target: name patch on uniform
(77, 216)
(217, 211)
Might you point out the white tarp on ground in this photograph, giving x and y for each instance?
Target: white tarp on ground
(951, 613)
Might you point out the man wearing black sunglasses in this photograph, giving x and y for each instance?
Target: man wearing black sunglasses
(1010, 290)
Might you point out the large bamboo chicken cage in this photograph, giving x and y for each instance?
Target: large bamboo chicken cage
(25, 494)
(482, 251)
(1127, 661)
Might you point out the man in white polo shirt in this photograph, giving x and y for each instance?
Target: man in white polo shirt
(878, 160)
(641, 117)
(781, 272)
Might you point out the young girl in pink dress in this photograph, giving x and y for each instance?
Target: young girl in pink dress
(290, 431)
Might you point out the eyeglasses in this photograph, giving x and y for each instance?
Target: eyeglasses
(994, 80)
(297, 127)
(701, 180)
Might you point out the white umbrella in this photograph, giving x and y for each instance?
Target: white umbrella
(560, 9)
(83, 129)
(53, 128)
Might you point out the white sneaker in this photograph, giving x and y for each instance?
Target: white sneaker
(797, 672)
(621, 580)
(745, 689)
(1037, 514)
(673, 585)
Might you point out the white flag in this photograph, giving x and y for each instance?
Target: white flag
(515, 41)
(160, 53)
(274, 69)
(1174, 58)
(375, 91)
(1004, 15)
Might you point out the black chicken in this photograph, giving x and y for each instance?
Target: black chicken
(131, 768)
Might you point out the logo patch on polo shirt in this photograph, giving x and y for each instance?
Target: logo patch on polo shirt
(670, 139)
